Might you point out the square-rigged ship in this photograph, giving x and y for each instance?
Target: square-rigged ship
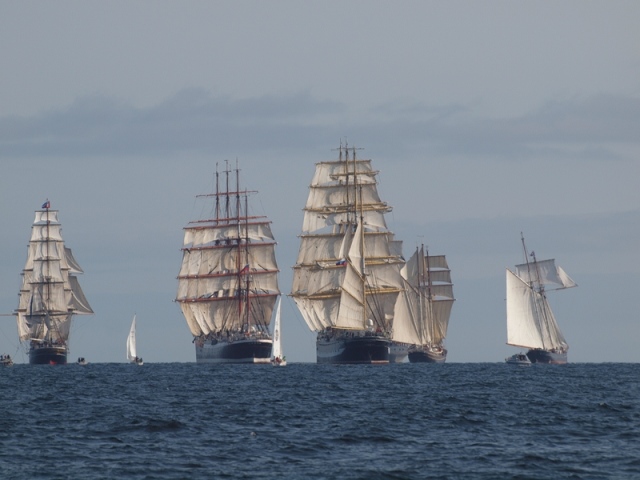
(50, 294)
(530, 321)
(347, 275)
(228, 281)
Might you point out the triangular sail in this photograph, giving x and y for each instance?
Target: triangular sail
(132, 353)
(276, 349)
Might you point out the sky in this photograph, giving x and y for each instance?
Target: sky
(484, 119)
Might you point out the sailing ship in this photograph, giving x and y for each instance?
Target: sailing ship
(530, 321)
(346, 278)
(424, 307)
(50, 294)
(277, 358)
(132, 352)
(228, 281)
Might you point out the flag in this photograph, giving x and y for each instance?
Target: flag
(245, 269)
(341, 262)
(46, 204)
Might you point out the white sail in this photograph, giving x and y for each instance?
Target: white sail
(132, 354)
(50, 293)
(276, 349)
(545, 273)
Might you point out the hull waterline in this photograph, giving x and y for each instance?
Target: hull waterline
(249, 350)
(346, 349)
(48, 355)
(546, 356)
(427, 356)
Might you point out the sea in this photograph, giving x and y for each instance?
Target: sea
(401, 421)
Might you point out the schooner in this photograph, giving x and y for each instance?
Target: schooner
(530, 321)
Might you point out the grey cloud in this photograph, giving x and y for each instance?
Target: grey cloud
(194, 120)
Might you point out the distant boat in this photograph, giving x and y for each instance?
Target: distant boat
(5, 360)
(82, 361)
(423, 309)
(530, 321)
(518, 359)
(50, 294)
(347, 278)
(132, 354)
(228, 280)
(277, 358)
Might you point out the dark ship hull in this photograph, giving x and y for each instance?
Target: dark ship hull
(248, 350)
(547, 356)
(352, 348)
(427, 355)
(48, 355)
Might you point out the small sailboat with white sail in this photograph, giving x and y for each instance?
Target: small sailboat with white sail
(277, 358)
(132, 354)
(530, 321)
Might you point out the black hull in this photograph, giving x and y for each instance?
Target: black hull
(346, 349)
(48, 356)
(427, 356)
(545, 356)
(240, 351)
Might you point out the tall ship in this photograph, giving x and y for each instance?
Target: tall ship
(347, 278)
(424, 308)
(530, 321)
(228, 281)
(50, 295)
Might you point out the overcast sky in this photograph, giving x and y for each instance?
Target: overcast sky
(485, 119)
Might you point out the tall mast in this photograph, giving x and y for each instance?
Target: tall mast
(539, 288)
(217, 193)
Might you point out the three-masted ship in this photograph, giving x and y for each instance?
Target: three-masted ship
(347, 277)
(530, 321)
(424, 308)
(228, 281)
(50, 294)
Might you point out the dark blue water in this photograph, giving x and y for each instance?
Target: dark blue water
(402, 421)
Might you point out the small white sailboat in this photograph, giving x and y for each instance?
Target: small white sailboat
(132, 355)
(277, 359)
